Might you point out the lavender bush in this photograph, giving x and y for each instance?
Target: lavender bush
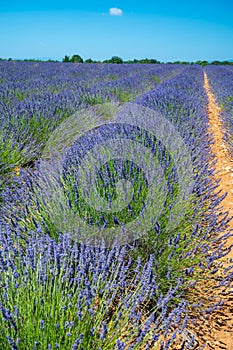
(70, 296)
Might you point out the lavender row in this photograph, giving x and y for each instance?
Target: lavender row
(183, 101)
(21, 81)
(89, 289)
(36, 98)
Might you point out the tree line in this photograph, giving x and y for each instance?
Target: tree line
(115, 59)
(118, 60)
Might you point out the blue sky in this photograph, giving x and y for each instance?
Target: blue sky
(167, 30)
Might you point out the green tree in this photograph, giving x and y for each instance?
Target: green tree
(153, 60)
(76, 59)
(66, 59)
(202, 63)
(89, 60)
(114, 59)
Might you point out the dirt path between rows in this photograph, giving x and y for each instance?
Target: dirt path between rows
(224, 165)
(219, 328)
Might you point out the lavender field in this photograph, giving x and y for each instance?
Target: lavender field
(109, 214)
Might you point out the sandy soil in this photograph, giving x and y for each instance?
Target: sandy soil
(220, 325)
(216, 332)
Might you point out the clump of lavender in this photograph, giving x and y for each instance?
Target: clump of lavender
(60, 294)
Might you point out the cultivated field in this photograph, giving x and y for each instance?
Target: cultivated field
(116, 194)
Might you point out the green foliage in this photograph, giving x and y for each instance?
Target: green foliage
(146, 61)
(76, 59)
(123, 96)
(114, 59)
(202, 63)
(156, 79)
(90, 60)
(66, 59)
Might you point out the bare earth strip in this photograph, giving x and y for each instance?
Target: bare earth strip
(220, 325)
(216, 331)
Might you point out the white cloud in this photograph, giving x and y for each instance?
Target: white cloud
(115, 11)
